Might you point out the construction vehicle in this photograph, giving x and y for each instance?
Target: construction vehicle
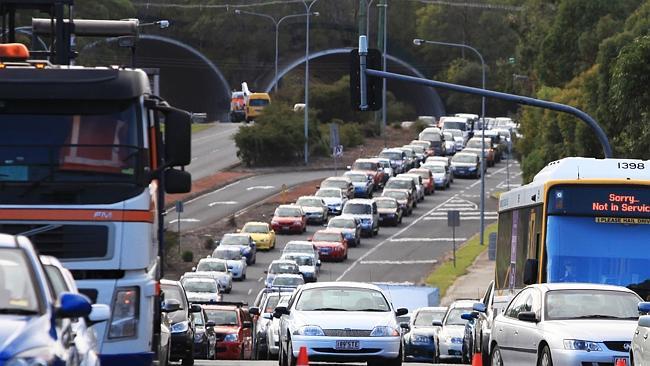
(85, 168)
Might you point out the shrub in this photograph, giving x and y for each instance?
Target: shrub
(350, 135)
(418, 126)
(187, 256)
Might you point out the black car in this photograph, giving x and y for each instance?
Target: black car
(205, 338)
(182, 323)
(390, 211)
(419, 342)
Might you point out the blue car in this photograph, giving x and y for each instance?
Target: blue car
(244, 242)
(363, 184)
(419, 345)
(36, 326)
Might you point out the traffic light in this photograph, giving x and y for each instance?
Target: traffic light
(373, 83)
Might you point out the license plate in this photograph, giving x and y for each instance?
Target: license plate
(285, 228)
(620, 361)
(348, 345)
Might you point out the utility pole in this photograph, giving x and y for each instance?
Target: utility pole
(382, 42)
(363, 17)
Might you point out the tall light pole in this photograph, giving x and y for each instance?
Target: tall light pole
(307, 11)
(276, 23)
(419, 42)
(384, 107)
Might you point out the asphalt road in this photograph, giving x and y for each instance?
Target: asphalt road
(402, 254)
(213, 149)
(213, 206)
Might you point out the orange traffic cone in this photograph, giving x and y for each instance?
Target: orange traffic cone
(620, 362)
(477, 360)
(303, 359)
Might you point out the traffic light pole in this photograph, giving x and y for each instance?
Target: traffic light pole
(519, 99)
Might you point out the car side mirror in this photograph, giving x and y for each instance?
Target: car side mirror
(254, 311)
(437, 323)
(73, 305)
(98, 314)
(401, 311)
(405, 326)
(247, 324)
(193, 269)
(644, 307)
(238, 230)
(170, 305)
(279, 311)
(266, 271)
(268, 316)
(210, 324)
(530, 271)
(348, 167)
(195, 308)
(466, 316)
(527, 316)
(480, 307)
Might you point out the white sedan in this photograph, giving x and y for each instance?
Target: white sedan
(449, 340)
(340, 322)
(566, 324)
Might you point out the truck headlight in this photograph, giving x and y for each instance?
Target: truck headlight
(580, 345)
(124, 320)
(384, 331)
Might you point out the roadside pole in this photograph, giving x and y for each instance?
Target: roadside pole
(453, 220)
(179, 211)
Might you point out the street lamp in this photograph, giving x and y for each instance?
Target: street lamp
(162, 24)
(419, 42)
(276, 23)
(307, 11)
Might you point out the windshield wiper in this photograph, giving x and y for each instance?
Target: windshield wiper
(328, 309)
(599, 316)
(373, 310)
(18, 311)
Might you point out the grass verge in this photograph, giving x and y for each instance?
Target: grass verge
(445, 274)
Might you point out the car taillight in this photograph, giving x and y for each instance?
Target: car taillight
(124, 320)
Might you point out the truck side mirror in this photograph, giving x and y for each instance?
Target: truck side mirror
(177, 181)
(178, 137)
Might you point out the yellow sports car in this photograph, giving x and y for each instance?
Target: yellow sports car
(262, 233)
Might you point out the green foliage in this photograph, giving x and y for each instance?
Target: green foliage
(187, 256)
(277, 137)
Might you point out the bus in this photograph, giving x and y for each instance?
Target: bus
(579, 220)
(81, 161)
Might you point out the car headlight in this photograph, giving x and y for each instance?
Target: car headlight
(579, 345)
(232, 337)
(384, 331)
(33, 357)
(310, 330)
(420, 339)
(180, 327)
(198, 337)
(124, 320)
(471, 168)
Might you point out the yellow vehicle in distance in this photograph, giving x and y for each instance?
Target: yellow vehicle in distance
(261, 233)
(255, 105)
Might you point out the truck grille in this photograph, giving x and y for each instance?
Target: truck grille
(65, 241)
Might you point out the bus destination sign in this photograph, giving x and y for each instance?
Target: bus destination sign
(602, 201)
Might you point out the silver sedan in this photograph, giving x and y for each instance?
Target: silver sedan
(566, 324)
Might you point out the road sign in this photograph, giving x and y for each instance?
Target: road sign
(334, 135)
(337, 151)
(179, 206)
(453, 218)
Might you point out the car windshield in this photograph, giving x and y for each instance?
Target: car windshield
(18, 294)
(430, 136)
(342, 223)
(422, 173)
(364, 166)
(475, 144)
(271, 303)
(357, 209)
(255, 229)
(288, 281)
(277, 268)
(454, 126)
(399, 184)
(342, 299)
(235, 240)
(326, 236)
(454, 316)
(591, 304)
(417, 149)
(200, 286)
(464, 158)
(359, 178)
(336, 184)
(222, 317)
(298, 247)
(227, 254)
(301, 260)
(309, 202)
(212, 266)
(287, 212)
(426, 318)
(398, 195)
(328, 193)
(436, 168)
(386, 203)
(392, 155)
(174, 292)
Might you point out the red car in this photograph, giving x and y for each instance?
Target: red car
(289, 218)
(370, 168)
(427, 179)
(233, 326)
(331, 245)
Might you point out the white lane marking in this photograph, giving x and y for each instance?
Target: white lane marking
(462, 218)
(259, 187)
(172, 209)
(222, 203)
(376, 247)
(194, 158)
(260, 279)
(460, 205)
(184, 220)
(250, 291)
(424, 239)
(427, 261)
(496, 172)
